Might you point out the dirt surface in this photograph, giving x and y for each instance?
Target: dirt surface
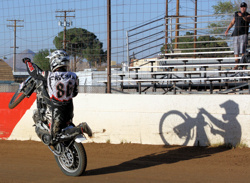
(29, 161)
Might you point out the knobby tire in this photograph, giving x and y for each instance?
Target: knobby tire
(15, 100)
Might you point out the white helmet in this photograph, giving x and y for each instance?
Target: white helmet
(58, 58)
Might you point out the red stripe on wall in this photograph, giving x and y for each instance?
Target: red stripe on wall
(10, 117)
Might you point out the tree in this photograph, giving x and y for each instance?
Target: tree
(213, 43)
(202, 42)
(226, 7)
(41, 61)
(188, 38)
(82, 43)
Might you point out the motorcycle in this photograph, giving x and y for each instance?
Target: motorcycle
(68, 151)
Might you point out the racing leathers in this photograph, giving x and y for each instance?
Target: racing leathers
(56, 90)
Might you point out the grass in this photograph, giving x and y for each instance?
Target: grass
(125, 142)
(108, 141)
(242, 145)
(230, 146)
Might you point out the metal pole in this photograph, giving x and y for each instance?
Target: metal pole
(177, 23)
(128, 60)
(14, 57)
(166, 27)
(171, 37)
(108, 47)
(64, 31)
(195, 27)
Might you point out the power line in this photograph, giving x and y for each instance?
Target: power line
(65, 24)
(14, 47)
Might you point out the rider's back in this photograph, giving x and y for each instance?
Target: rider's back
(62, 86)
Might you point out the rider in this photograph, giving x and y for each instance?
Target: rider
(59, 86)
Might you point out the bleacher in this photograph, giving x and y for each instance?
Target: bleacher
(187, 75)
(183, 70)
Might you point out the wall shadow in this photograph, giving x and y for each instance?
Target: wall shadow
(172, 154)
(229, 129)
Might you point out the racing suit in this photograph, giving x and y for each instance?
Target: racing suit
(56, 90)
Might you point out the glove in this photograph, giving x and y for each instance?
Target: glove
(25, 60)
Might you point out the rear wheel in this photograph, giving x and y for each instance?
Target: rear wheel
(73, 161)
(16, 99)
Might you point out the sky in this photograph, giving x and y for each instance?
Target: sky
(40, 24)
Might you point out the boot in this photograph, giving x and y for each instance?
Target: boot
(71, 132)
(85, 128)
(80, 129)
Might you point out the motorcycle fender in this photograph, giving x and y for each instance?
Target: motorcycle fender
(80, 138)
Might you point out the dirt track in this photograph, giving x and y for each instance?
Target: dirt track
(31, 161)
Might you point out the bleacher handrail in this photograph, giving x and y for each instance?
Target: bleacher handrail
(189, 65)
(209, 48)
(185, 79)
(213, 15)
(197, 42)
(183, 72)
(196, 53)
(145, 43)
(196, 29)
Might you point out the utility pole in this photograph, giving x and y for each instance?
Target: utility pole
(14, 47)
(195, 27)
(65, 24)
(108, 47)
(177, 24)
(166, 28)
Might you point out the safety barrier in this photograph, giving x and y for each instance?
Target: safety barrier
(11, 117)
(156, 119)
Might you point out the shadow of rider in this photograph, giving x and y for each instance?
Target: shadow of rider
(230, 128)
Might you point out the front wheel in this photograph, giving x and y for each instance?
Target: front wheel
(175, 128)
(25, 90)
(73, 161)
(16, 99)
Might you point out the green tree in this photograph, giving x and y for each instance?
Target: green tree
(41, 61)
(187, 38)
(83, 44)
(213, 43)
(224, 7)
(202, 42)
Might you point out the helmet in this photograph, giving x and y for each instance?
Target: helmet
(58, 58)
(231, 107)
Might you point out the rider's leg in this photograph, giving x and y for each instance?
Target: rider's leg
(36, 117)
(40, 131)
(61, 115)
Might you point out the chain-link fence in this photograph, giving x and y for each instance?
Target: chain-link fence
(139, 30)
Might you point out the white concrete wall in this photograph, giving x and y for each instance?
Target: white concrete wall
(158, 119)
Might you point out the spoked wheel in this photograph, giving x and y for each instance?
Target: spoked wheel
(16, 99)
(175, 129)
(73, 161)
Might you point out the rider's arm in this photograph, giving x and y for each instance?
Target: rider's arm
(214, 120)
(34, 71)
